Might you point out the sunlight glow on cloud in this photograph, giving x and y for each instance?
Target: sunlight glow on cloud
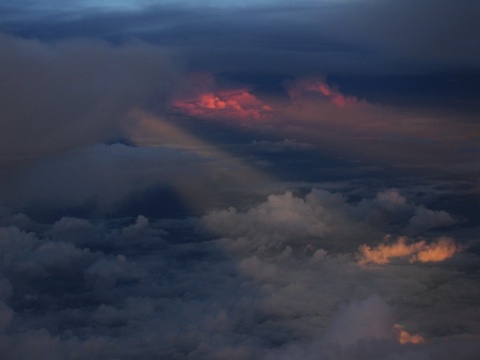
(404, 337)
(237, 103)
(305, 87)
(440, 250)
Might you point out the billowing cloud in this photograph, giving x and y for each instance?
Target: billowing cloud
(282, 245)
(279, 280)
(426, 219)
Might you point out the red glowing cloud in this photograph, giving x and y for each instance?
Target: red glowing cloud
(238, 104)
(305, 87)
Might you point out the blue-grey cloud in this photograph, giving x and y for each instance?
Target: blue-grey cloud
(263, 284)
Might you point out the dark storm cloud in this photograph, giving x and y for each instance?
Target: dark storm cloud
(61, 95)
(344, 35)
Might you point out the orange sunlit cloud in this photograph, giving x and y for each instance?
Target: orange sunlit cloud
(238, 103)
(443, 249)
(404, 337)
(440, 250)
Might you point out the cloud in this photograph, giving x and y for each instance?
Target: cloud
(70, 93)
(321, 216)
(281, 146)
(369, 319)
(427, 219)
(304, 37)
(316, 112)
(237, 103)
(105, 132)
(203, 98)
(405, 337)
(278, 280)
(309, 86)
(274, 249)
(439, 250)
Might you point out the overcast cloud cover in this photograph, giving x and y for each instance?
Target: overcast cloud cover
(239, 180)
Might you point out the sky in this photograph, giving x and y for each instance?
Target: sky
(240, 179)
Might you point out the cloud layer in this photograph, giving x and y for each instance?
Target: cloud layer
(256, 180)
(280, 280)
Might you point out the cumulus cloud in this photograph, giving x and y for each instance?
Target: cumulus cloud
(273, 281)
(276, 251)
(322, 217)
(424, 219)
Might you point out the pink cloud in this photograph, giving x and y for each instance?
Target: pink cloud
(205, 100)
(317, 113)
(314, 86)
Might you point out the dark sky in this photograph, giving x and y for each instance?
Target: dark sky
(240, 180)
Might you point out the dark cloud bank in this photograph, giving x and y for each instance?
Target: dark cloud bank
(278, 181)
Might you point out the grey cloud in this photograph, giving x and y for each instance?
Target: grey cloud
(369, 319)
(107, 272)
(425, 219)
(106, 179)
(322, 218)
(263, 286)
(281, 146)
(437, 31)
(58, 96)
(305, 37)
(277, 279)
